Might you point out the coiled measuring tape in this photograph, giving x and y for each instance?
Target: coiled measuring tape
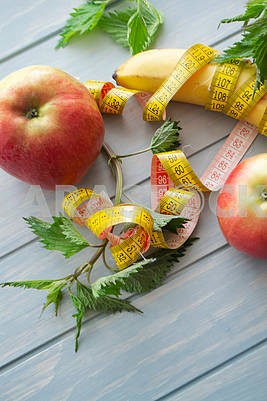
(125, 248)
(223, 96)
(112, 100)
(263, 123)
(223, 84)
(175, 190)
(100, 219)
(191, 61)
(175, 187)
(244, 99)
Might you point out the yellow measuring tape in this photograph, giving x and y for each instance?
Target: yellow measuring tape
(169, 171)
(222, 94)
(175, 187)
(191, 61)
(223, 84)
(244, 99)
(128, 247)
(263, 123)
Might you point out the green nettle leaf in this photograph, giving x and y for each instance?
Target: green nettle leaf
(124, 279)
(174, 224)
(164, 220)
(137, 35)
(54, 295)
(70, 231)
(143, 276)
(143, 26)
(54, 288)
(78, 305)
(152, 17)
(104, 303)
(61, 235)
(85, 300)
(115, 23)
(82, 20)
(35, 284)
(254, 38)
(166, 137)
(253, 9)
(132, 27)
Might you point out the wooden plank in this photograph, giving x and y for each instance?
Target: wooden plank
(206, 313)
(200, 129)
(26, 21)
(244, 379)
(21, 200)
(21, 315)
(202, 316)
(33, 262)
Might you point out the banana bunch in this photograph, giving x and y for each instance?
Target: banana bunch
(147, 70)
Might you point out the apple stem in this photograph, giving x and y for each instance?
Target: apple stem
(264, 194)
(32, 113)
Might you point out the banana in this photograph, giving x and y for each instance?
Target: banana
(147, 70)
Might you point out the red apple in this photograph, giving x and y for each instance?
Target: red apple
(242, 207)
(51, 130)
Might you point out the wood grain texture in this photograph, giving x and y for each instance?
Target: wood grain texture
(201, 128)
(202, 316)
(21, 315)
(19, 199)
(243, 378)
(202, 335)
(26, 21)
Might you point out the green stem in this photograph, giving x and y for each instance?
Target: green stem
(117, 171)
(139, 152)
(88, 266)
(106, 263)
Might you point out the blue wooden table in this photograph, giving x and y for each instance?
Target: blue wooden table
(202, 335)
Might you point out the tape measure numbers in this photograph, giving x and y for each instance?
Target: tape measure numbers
(175, 187)
(191, 61)
(223, 84)
(222, 97)
(244, 99)
(263, 123)
(168, 173)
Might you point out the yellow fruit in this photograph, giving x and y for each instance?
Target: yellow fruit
(147, 70)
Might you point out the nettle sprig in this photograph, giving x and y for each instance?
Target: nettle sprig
(253, 44)
(107, 293)
(134, 26)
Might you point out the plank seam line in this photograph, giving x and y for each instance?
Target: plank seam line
(229, 36)
(220, 367)
(9, 253)
(51, 35)
(43, 39)
(210, 145)
(30, 46)
(8, 366)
